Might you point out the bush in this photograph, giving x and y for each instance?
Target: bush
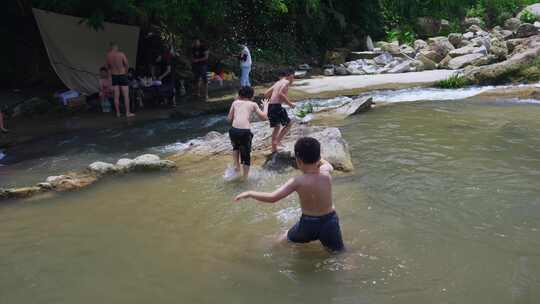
(527, 17)
(453, 82)
(403, 36)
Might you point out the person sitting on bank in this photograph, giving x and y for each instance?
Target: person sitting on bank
(199, 63)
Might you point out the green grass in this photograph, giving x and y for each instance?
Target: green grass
(453, 82)
(305, 110)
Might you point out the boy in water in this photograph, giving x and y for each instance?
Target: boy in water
(277, 115)
(319, 220)
(240, 134)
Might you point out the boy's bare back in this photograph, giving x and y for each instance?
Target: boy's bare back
(315, 193)
(241, 112)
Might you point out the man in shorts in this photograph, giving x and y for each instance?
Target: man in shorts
(118, 66)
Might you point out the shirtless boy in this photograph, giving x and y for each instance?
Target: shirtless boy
(118, 66)
(319, 220)
(240, 133)
(277, 115)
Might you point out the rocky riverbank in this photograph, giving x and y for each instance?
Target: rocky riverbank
(511, 46)
(93, 173)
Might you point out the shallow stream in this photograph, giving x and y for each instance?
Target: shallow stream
(444, 207)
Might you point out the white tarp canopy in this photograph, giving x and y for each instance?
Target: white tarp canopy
(77, 51)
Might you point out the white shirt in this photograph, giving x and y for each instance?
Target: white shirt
(247, 62)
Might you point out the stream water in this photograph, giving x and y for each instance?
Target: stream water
(443, 207)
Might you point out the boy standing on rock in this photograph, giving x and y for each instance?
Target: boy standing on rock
(319, 220)
(240, 133)
(277, 115)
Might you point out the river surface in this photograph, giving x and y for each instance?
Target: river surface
(443, 207)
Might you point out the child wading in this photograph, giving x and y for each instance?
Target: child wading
(319, 220)
(240, 133)
(277, 115)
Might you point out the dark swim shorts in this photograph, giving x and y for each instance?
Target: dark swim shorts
(120, 80)
(323, 228)
(277, 115)
(241, 141)
(200, 71)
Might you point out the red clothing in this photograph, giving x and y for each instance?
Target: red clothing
(105, 88)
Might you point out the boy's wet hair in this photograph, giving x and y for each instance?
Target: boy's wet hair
(246, 92)
(286, 73)
(308, 150)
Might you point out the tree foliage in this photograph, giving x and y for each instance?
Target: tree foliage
(281, 29)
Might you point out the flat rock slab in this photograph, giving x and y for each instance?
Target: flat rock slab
(334, 148)
(363, 82)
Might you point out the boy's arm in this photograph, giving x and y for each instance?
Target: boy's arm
(230, 117)
(325, 166)
(283, 191)
(287, 101)
(268, 92)
(263, 115)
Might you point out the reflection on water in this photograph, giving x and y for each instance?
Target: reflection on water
(443, 208)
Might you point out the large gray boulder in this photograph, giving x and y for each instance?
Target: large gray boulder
(468, 35)
(101, 168)
(356, 106)
(150, 162)
(125, 165)
(341, 71)
(533, 9)
(529, 50)
(441, 46)
(383, 59)
(407, 50)
(463, 61)
(455, 39)
(526, 30)
(499, 49)
(428, 64)
(390, 47)
(470, 49)
(482, 41)
(485, 60)
(512, 24)
(403, 67)
(444, 63)
(513, 43)
(419, 45)
(334, 148)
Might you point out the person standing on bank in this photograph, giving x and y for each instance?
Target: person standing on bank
(245, 65)
(118, 66)
(167, 77)
(199, 63)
